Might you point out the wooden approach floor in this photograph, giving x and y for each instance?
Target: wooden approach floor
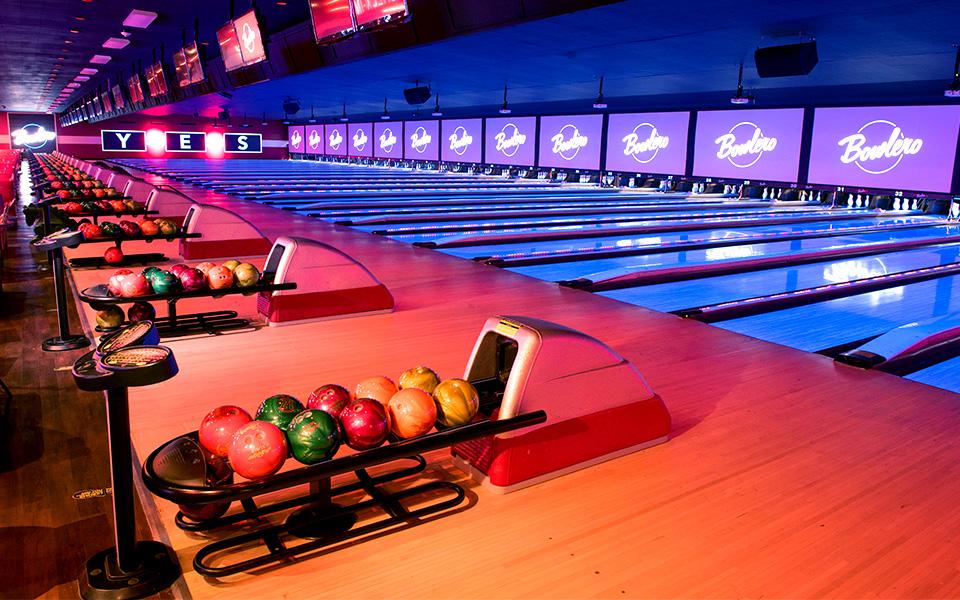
(788, 476)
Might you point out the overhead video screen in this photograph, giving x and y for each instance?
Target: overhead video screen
(360, 136)
(229, 47)
(753, 145)
(314, 140)
(648, 142)
(250, 38)
(388, 140)
(461, 140)
(373, 13)
(336, 140)
(888, 147)
(571, 142)
(421, 140)
(510, 141)
(332, 19)
(295, 139)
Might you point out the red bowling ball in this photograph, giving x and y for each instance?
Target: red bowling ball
(217, 428)
(364, 424)
(192, 279)
(330, 398)
(113, 284)
(258, 449)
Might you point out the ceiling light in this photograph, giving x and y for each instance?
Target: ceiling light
(72, 85)
(953, 91)
(600, 103)
(504, 109)
(740, 98)
(385, 116)
(115, 43)
(125, 34)
(74, 31)
(436, 109)
(313, 118)
(139, 19)
(80, 18)
(81, 78)
(343, 117)
(100, 59)
(264, 121)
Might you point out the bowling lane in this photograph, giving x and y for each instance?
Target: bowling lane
(828, 324)
(944, 375)
(609, 267)
(530, 223)
(746, 235)
(410, 235)
(699, 292)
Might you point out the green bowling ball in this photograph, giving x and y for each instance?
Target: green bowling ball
(279, 409)
(314, 436)
(111, 230)
(164, 282)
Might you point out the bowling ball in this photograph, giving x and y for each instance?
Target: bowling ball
(90, 207)
(231, 264)
(246, 275)
(218, 426)
(220, 278)
(165, 282)
(113, 284)
(110, 318)
(313, 435)
(113, 255)
(330, 398)
(112, 193)
(258, 449)
(99, 193)
(90, 231)
(118, 206)
(111, 230)
(179, 268)
(412, 412)
(64, 194)
(279, 409)
(205, 267)
(364, 424)
(72, 207)
(130, 228)
(457, 402)
(166, 227)
(192, 280)
(141, 311)
(378, 388)
(150, 272)
(419, 377)
(134, 285)
(218, 473)
(149, 228)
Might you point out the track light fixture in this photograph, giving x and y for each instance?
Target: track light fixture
(740, 98)
(600, 103)
(385, 116)
(313, 118)
(953, 91)
(436, 108)
(264, 121)
(504, 109)
(343, 116)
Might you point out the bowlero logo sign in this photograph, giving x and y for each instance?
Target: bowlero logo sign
(648, 142)
(295, 137)
(32, 132)
(757, 145)
(387, 140)
(421, 140)
(336, 137)
(314, 135)
(892, 147)
(510, 141)
(360, 136)
(462, 140)
(571, 142)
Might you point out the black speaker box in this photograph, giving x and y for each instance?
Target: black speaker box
(417, 95)
(787, 60)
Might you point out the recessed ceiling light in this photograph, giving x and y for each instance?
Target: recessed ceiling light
(72, 85)
(80, 18)
(125, 33)
(74, 31)
(81, 78)
(116, 43)
(88, 71)
(139, 19)
(100, 59)
(67, 41)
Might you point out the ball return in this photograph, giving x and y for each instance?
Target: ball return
(532, 377)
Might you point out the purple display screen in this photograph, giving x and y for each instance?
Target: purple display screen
(388, 140)
(571, 142)
(889, 147)
(360, 136)
(314, 136)
(295, 138)
(648, 143)
(335, 140)
(462, 140)
(510, 141)
(753, 145)
(421, 140)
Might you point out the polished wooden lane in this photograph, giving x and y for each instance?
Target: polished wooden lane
(788, 475)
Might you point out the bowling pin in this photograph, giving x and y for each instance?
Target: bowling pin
(896, 204)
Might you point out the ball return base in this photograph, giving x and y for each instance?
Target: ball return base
(103, 579)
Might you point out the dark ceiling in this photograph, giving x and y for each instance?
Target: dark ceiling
(657, 53)
(34, 34)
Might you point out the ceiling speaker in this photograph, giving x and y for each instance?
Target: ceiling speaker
(786, 61)
(416, 96)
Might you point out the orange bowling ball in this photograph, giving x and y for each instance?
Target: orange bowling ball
(412, 412)
(378, 388)
(220, 278)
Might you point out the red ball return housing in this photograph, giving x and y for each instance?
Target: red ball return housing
(330, 284)
(597, 403)
(223, 234)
